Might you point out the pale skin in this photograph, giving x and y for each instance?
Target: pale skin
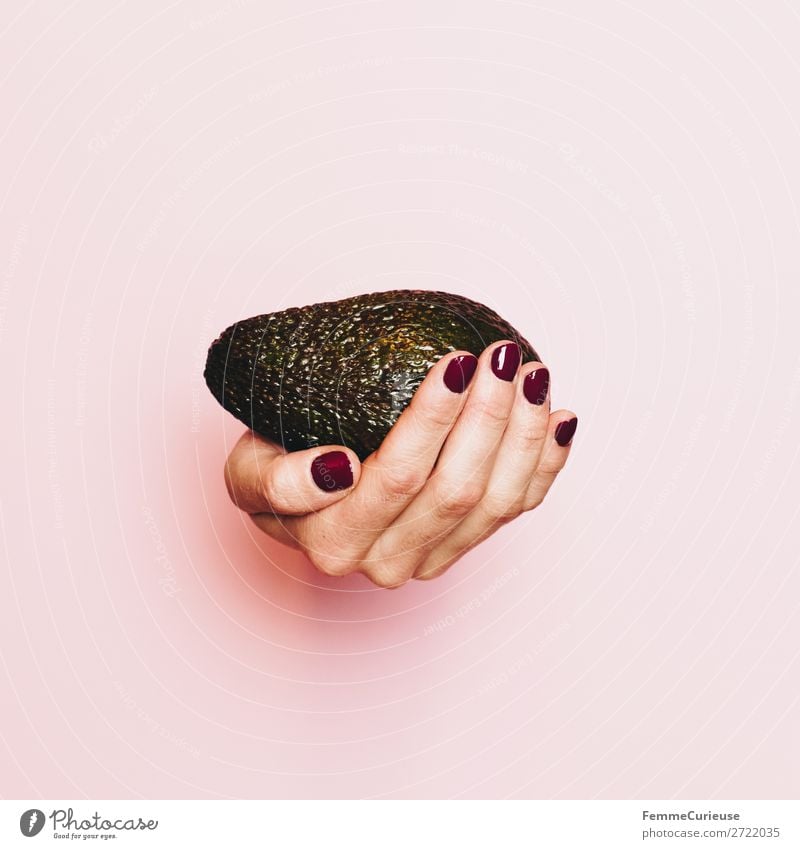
(455, 467)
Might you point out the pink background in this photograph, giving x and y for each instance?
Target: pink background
(619, 183)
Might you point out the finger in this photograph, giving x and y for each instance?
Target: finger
(263, 478)
(462, 471)
(558, 442)
(514, 466)
(392, 475)
(442, 557)
(280, 528)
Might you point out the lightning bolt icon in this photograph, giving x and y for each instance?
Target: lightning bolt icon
(32, 822)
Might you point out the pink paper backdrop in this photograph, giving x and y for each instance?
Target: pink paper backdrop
(621, 184)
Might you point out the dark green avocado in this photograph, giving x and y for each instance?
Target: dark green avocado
(342, 372)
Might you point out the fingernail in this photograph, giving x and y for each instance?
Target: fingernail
(332, 471)
(565, 431)
(505, 360)
(535, 386)
(459, 372)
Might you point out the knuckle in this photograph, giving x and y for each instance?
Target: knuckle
(485, 410)
(541, 486)
(547, 473)
(525, 439)
(265, 490)
(534, 501)
(429, 573)
(241, 490)
(333, 567)
(540, 489)
(500, 510)
(402, 479)
(432, 416)
(458, 499)
(387, 579)
(433, 567)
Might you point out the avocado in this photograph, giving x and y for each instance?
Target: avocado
(341, 372)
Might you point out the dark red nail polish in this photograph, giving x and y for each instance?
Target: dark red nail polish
(332, 471)
(565, 431)
(535, 386)
(459, 372)
(505, 361)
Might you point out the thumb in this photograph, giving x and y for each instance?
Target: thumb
(263, 478)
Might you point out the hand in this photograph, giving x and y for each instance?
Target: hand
(476, 447)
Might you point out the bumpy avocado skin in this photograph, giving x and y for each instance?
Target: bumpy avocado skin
(341, 372)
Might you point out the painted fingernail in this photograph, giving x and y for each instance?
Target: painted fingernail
(565, 431)
(332, 471)
(459, 372)
(505, 360)
(535, 386)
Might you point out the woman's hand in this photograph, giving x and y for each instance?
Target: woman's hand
(476, 447)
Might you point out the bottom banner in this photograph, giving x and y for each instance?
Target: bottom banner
(354, 824)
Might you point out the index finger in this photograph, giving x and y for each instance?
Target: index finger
(393, 474)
